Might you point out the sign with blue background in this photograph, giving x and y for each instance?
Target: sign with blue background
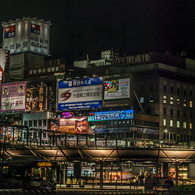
(80, 94)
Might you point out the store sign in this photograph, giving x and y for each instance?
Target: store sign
(27, 36)
(80, 94)
(13, 97)
(44, 164)
(4, 63)
(116, 89)
(37, 99)
(100, 130)
(110, 115)
(10, 132)
(74, 125)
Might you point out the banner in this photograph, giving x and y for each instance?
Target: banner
(74, 125)
(10, 132)
(110, 115)
(37, 99)
(13, 97)
(116, 89)
(80, 94)
(4, 63)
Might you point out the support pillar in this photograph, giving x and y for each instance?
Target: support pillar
(176, 164)
(101, 175)
(165, 170)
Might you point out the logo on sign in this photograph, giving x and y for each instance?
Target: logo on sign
(9, 31)
(35, 29)
(66, 95)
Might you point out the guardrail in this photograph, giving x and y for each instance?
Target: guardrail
(102, 192)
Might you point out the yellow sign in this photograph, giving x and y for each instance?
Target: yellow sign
(44, 164)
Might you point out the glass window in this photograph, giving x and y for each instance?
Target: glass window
(190, 114)
(57, 68)
(178, 113)
(164, 99)
(184, 103)
(30, 123)
(190, 92)
(171, 123)
(178, 124)
(25, 123)
(34, 71)
(44, 135)
(184, 91)
(171, 89)
(31, 71)
(164, 111)
(177, 100)
(178, 90)
(190, 125)
(35, 123)
(40, 122)
(141, 100)
(184, 125)
(151, 88)
(171, 100)
(35, 134)
(52, 69)
(151, 99)
(164, 122)
(44, 122)
(48, 70)
(191, 104)
(171, 112)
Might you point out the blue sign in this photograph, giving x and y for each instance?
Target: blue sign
(80, 94)
(110, 115)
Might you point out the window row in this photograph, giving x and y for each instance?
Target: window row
(177, 90)
(178, 102)
(178, 124)
(179, 113)
(177, 137)
(35, 123)
(44, 70)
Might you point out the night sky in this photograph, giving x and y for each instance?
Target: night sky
(81, 27)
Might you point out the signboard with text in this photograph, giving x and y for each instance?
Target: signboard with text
(4, 63)
(80, 94)
(37, 99)
(116, 89)
(27, 36)
(110, 115)
(13, 97)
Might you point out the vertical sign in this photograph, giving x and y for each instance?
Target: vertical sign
(4, 64)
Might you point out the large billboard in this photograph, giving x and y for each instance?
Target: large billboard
(110, 115)
(13, 97)
(37, 99)
(4, 63)
(116, 89)
(27, 36)
(80, 94)
(74, 125)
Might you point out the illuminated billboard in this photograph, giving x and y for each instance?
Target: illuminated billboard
(80, 94)
(37, 99)
(13, 97)
(110, 115)
(74, 125)
(27, 36)
(4, 63)
(116, 89)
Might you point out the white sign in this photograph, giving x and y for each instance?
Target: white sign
(27, 36)
(116, 89)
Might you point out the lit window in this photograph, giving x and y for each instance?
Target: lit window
(34, 71)
(52, 69)
(171, 123)
(151, 99)
(164, 99)
(178, 124)
(39, 70)
(48, 70)
(177, 100)
(190, 125)
(164, 122)
(184, 103)
(31, 71)
(184, 125)
(57, 68)
(191, 104)
(141, 100)
(43, 70)
(171, 100)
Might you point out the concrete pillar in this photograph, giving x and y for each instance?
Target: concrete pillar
(165, 170)
(64, 173)
(177, 168)
(101, 175)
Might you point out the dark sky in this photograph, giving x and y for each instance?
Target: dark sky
(82, 27)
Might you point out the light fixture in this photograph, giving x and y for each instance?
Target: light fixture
(11, 21)
(17, 20)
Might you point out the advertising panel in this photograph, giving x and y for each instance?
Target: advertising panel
(80, 94)
(110, 115)
(27, 36)
(4, 62)
(74, 125)
(54, 124)
(37, 99)
(10, 132)
(100, 130)
(13, 97)
(116, 89)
